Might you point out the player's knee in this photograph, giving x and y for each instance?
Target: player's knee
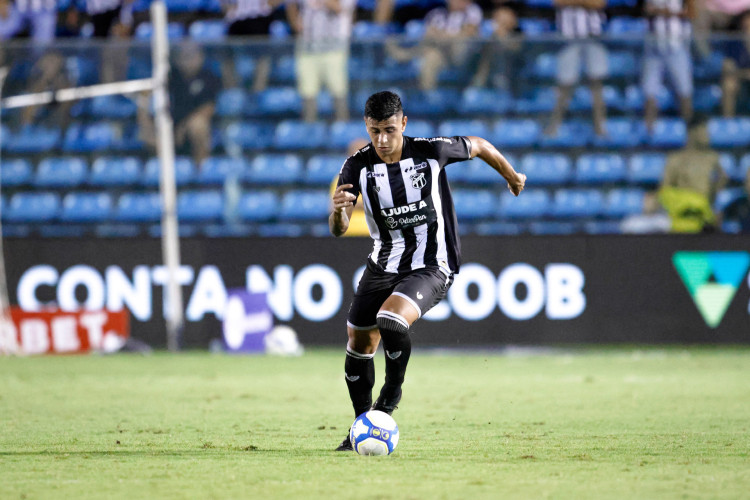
(388, 320)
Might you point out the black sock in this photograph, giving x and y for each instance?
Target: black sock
(360, 378)
(397, 347)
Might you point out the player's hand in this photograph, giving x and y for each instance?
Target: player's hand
(517, 185)
(343, 198)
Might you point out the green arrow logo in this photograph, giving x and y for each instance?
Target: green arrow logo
(712, 279)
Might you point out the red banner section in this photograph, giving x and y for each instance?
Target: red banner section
(53, 331)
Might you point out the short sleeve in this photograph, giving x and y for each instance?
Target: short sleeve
(349, 174)
(451, 149)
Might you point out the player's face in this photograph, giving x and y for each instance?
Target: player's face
(387, 136)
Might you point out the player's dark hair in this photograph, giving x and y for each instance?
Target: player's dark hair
(382, 105)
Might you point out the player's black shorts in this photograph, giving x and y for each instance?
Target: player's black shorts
(423, 288)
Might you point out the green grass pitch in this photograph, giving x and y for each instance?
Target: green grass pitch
(590, 423)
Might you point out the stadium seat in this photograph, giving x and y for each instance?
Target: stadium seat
(418, 128)
(342, 133)
(532, 204)
(258, 206)
(474, 204)
(83, 69)
(200, 206)
(532, 26)
(62, 230)
(545, 65)
(729, 132)
(208, 30)
(86, 207)
(322, 169)
(31, 139)
(278, 101)
(538, 100)
(90, 137)
(274, 169)
(391, 71)
(217, 169)
(296, 134)
(184, 230)
(414, 29)
(283, 71)
(709, 68)
(115, 171)
(33, 207)
(516, 133)
(575, 203)
(61, 172)
(727, 196)
(107, 230)
(552, 228)
(369, 30)
(570, 134)
(138, 207)
(668, 133)
(15, 172)
(477, 172)
(741, 172)
(244, 67)
(602, 227)
(634, 99)
(621, 202)
(498, 228)
(280, 30)
(475, 100)
(184, 170)
(281, 230)
(625, 26)
(540, 3)
(112, 106)
(144, 30)
(437, 102)
(621, 133)
(547, 168)
(707, 98)
(300, 205)
(238, 136)
(730, 166)
(231, 103)
(646, 168)
(600, 169)
(450, 128)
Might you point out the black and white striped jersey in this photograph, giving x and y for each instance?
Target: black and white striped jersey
(408, 204)
(670, 23)
(580, 22)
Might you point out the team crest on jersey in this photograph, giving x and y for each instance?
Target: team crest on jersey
(417, 180)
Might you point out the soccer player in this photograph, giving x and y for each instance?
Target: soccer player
(416, 252)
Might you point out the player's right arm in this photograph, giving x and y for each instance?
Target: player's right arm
(343, 205)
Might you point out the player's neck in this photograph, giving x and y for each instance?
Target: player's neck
(394, 157)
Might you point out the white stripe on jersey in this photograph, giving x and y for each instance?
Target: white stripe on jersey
(35, 5)
(412, 195)
(386, 200)
(374, 231)
(671, 31)
(442, 250)
(580, 22)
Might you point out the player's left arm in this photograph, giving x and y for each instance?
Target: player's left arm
(487, 152)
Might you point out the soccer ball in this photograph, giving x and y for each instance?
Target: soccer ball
(374, 433)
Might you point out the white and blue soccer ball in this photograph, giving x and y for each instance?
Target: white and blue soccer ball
(374, 433)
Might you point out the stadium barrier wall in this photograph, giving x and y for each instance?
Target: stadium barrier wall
(511, 290)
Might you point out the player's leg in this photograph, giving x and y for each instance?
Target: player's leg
(568, 73)
(596, 70)
(651, 80)
(412, 297)
(359, 367)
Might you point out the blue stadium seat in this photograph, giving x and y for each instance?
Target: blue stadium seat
(450, 128)
(15, 172)
(550, 228)
(258, 206)
(86, 207)
(545, 65)
(175, 31)
(646, 168)
(391, 71)
(477, 172)
(33, 207)
(31, 139)
(727, 196)
(730, 166)
(437, 102)
(516, 133)
(532, 26)
(342, 133)
(625, 26)
(83, 69)
(670, 133)
(278, 101)
(729, 132)
(200, 206)
(61, 172)
(570, 134)
(238, 136)
(540, 3)
(283, 70)
(244, 67)
(476, 100)
(474, 204)
(184, 5)
(322, 169)
(709, 68)
(92, 137)
(741, 172)
(414, 29)
(226, 230)
(419, 128)
(547, 168)
(184, 170)
(538, 100)
(231, 103)
(368, 30)
(621, 202)
(217, 169)
(115, 171)
(296, 134)
(280, 30)
(184, 230)
(208, 31)
(274, 169)
(107, 230)
(600, 168)
(634, 99)
(532, 204)
(707, 98)
(138, 207)
(113, 106)
(305, 205)
(575, 203)
(62, 230)
(621, 133)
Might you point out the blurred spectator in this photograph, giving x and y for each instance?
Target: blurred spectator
(652, 220)
(105, 14)
(716, 15)
(48, 73)
(250, 18)
(581, 23)
(735, 71)
(357, 222)
(668, 47)
(68, 24)
(323, 30)
(446, 42)
(501, 53)
(36, 18)
(692, 177)
(193, 89)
